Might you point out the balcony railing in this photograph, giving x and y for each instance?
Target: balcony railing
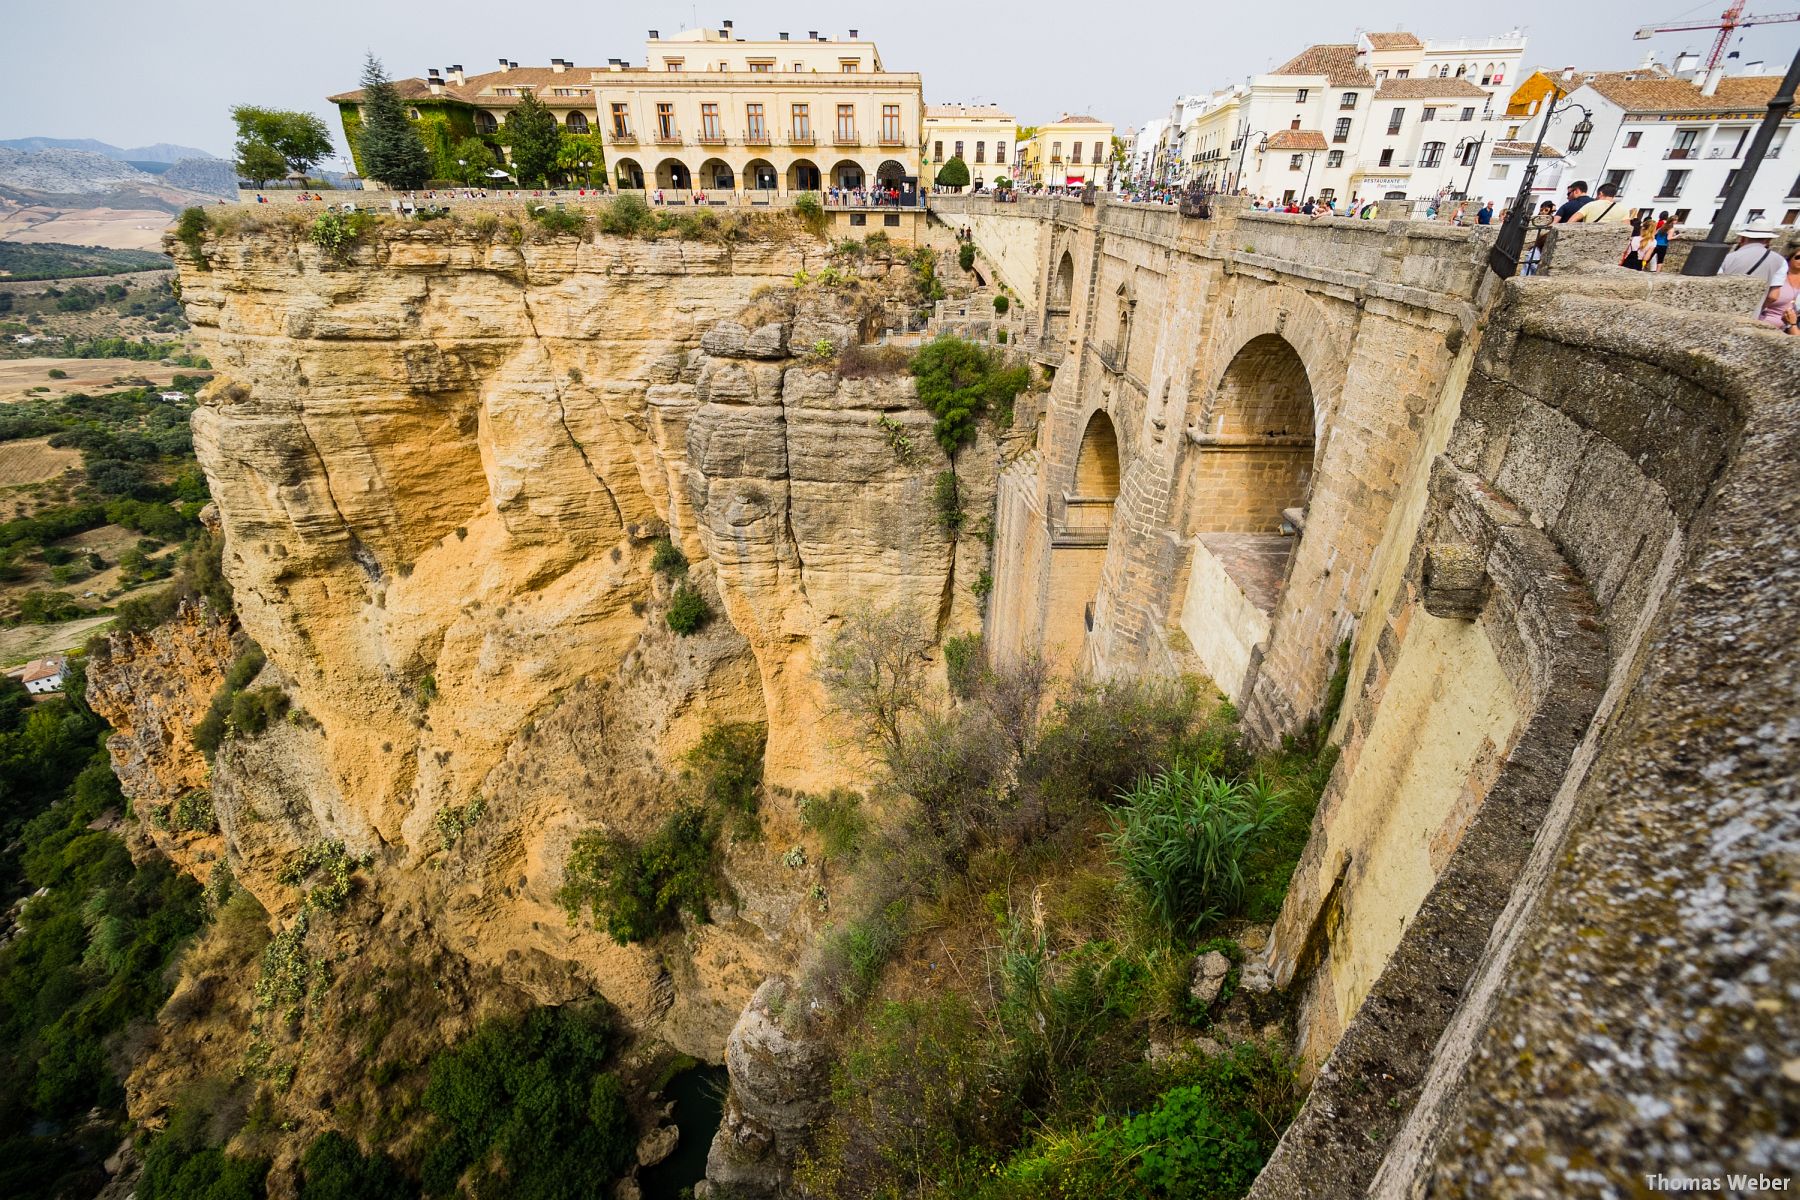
(668, 137)
(895, 141)
(1682, 152)
(1722, 152)
(846, 137)
(800, 138)
(1109, 357)
(712, 137)
(757, 137)
(622, 137)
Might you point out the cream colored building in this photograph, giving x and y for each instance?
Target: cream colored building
(1069, 152)
(715, 112)
(981, 134)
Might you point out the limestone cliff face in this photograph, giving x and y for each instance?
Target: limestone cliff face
(440, 464)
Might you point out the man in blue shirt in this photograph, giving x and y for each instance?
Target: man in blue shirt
(1485, 214)
(1578, 200)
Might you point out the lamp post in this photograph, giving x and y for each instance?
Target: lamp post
(1510, 245)
(1708, 256)
(1243, 147)
(1475, 161)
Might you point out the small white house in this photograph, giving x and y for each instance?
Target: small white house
(43, 675)
(174, 397)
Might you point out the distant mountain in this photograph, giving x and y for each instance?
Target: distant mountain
(161, 152)
(67, 172)
(214, 176)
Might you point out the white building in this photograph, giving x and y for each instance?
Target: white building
(43, 675)
(1670, 144)
(1388, 116)
(982, 135)
(1145, 146)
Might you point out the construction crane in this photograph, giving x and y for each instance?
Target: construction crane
(1729, 22)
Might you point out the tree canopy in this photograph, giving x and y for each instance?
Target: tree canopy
(391, 149)
(272, 142)
(581, 156)
(535, 138)
(954, 173)
(474, 159)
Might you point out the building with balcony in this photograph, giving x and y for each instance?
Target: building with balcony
(982, 135)
(1071, 151)
(706, 111)
(719, 113)
(1673, 145)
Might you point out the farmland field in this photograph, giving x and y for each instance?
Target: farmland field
(34, 460)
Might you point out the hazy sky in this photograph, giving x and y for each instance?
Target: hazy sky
(131, 73)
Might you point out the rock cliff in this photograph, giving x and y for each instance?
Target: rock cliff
(441, 462)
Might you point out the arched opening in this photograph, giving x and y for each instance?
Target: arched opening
(1056, 311)
(1246, 483)
(803, 176)
(1097, 462)
(1116, 352)
(485, 122)
(672, 173)
(847, 174)
(629, 175)
(1065, 282)
(716, 174)
(1078, 545)
(577, 123)
(760, 175)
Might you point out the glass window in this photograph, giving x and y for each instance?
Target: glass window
(1431, 154)
(890, 123)
(1296, 161)
(1055, 151)
(1468, 114)
(802, 123)
(1672, 183)
(1632, 139)
(709, 122)
(999, 152)
(1341, 131)
(1348, 100)
(753, 122)
(1387, 158)
(1430, 113)
(1099, 154)
(1394, 119)
(959, 152)
(665, 122)
(1300, 96)
(621, 120)
(937, 151)
(1335, 159)
(846, 122)
(980, 152)
(765, 67)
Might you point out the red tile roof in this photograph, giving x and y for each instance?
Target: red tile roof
(1640, 93)
(1296, 139)
(1428, 89)
(1394, 41)
(1334, 60)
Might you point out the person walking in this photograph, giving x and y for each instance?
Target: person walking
(1779, 305)
(1756, 257)
(1604, 207)
(1485, 214)
(1578, 200)
(1663, 224)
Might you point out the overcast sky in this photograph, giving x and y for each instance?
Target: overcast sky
(132, 73)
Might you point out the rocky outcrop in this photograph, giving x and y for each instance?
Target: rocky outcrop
(153, 687)
(778, 1095)
(442, 463)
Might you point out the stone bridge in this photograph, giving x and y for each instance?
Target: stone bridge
(1549, 525)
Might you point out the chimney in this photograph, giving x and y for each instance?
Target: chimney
(812, 35)
(504, 65)
(1753, 68)
(513, 64)
(784, 35)
(853, 35)
(653, 35)
(559, 65)
(1711, 85)
(1686, 62)
(456, 74)
(434, 81)
(725, 24)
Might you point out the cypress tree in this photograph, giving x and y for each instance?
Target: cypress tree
(535, 139)
(392, 151)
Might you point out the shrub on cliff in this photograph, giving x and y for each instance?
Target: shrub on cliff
(190, 230)
(965, 256)
(627, 216)
(959, 381)
(523, 1107)
(337, 232)
(688, 611)
(335, 1168)
(727, 764)
(667, 557)
(635, 890)
(811, 212)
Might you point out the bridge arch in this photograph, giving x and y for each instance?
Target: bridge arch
(1079, 541)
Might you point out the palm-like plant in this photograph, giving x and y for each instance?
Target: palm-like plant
(1184, 837)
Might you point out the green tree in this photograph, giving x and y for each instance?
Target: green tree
(474, 159)
(272, 142)
(535, 138)
(391, 149)
(580, 156)
(954, 173)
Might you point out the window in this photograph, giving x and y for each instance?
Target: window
(672, 64)
(1461, 71)
(1380, 76)
(1055, 151)
(980, 152)
(577, 122)
(890, 124)
(999, 152)
(754, 125)
(1672, 184)
(1394, 119)
(1632, 139)
(413, 113)
(709, 123)
(891, 220)
(1341, 131)
(1725, 188)
(1387, 158)
(1294, 124)
(1755, 216)
(1794, 188)
(764, 66)
(485, 123)
(1347, 100)
(1099, 156)
(506, 91)
(859, 218)
(846, 122)
(1790, 216)
(1512, 131)
(1681, 215)
(849, 66)
(1296, 161)
(799, 67)
(1468, 114)
(1335, 159)
(1328, 194)
(1685, 145)
(1469, 151)
(621, 121)
(1075, 153)
(937, 152)
(1431, 154)
(1618, 179)
(1500, 171)
(1430, 113)
(1402, 73)
(1300, 96)
(1737, 143)
(802, 123)
(665, 122)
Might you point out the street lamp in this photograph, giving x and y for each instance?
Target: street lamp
(1474, 159)
(1243, 146)
(1510, 244)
